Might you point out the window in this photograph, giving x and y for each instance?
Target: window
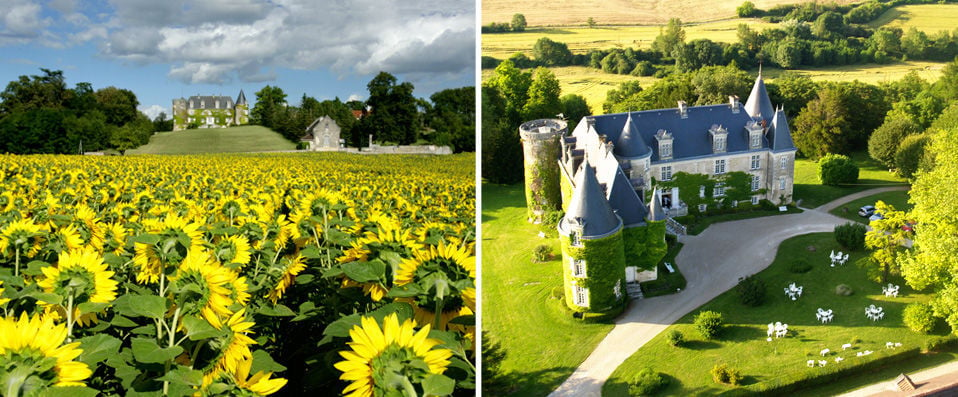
(719, 190)
(719, 145)
(720, 166)
(781, 183)
(755, 182)
(665, 150)
(618, 290)
(755, 200)
(667, 173)
(784, 162)
(576, 240)
(703, 207)
(578, 267)
(756, 140)
(755, 162)
(580, 296)
(701, 191)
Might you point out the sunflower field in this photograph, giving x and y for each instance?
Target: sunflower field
(294, 274)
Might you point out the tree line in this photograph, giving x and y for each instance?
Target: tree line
(391, 114)
(518, 25)
(40, 114)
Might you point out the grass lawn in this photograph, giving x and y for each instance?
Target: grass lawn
(897, 199)
(929, 18)
(742, 343)
(812, 193)
(543, 343)
(248, 138)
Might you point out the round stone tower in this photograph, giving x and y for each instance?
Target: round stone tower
(540, 148)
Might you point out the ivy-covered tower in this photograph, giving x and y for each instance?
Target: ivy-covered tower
(593, 252)
(540, 149)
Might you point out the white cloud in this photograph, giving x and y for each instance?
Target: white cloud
(154, 110)
(356, 97)
(21, 22)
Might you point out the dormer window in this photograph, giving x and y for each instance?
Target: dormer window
(754, 131)
(665, 144)
(719, 138)
(683, 110)
(734, 103)
(575, 233)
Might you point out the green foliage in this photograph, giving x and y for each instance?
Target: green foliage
(542, 253)
(270, 102)
(911, 156)
(884, 142)
(919, 317)
(886, 238)
(453, 113)
(574, 108)
(722, 373)
(518, 23)
(837, 169)
(605, 267)
(501, 148)
(394, 116)
(799, 265)
(670, 37)
(697, 54)
(819, 128)
(543, 94)
(551, 53)
(851, 235)
(493, 379)
(746, 10)
(674, 338)
(751, 291)
(647, 383)
(591, 23)
(708, 323)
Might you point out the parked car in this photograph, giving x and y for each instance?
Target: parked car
(875, 216)
(866, 211)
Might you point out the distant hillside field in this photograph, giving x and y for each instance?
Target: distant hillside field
(249, 138)
(929, 18)
(618, 12)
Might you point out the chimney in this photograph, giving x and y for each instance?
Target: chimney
(683, 110)
(734, 103)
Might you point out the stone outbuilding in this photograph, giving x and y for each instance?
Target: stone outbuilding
(323, 134)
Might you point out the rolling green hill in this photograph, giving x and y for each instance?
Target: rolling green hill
(248, 138)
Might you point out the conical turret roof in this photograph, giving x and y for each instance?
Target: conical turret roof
(758, 104)
(781, 134)
(656, 213)
(241, 99)
(630, 143)
(589, 206)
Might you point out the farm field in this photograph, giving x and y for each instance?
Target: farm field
(236, 274)
(621, 12)
(929, 18)
(247, 138)
(542, 342)
(742, 343)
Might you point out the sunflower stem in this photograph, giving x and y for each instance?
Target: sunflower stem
(16, 269)
(70, 318)
(438, 320)
(408, 387)
(172, 342)
(196, 351)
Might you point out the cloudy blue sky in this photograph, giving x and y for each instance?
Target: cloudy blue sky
(165, 49)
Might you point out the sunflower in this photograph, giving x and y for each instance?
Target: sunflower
(443, 262)
(293, 266)
(33, 347)
(259, 383)
(19, 235)
(380, 355)
(3, 301)
(208, 284)
(234, 250)
(233, 348)
(114, 238)
(67, 238)
(389, 238)
(149, 261)
(82, 275)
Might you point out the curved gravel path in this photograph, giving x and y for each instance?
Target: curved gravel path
(712, 263)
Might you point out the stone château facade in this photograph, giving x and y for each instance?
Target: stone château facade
(210, 112)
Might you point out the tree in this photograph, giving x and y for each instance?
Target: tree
(543, 96)
(269, 101)
(884, 142)
(117, 104)
(518, 23)
(915, 44)
(837, 169)
(616, 96)
(591, 23)
(911, 156)
(708, 323)
(746, 10)
(696, 54)
(819, 127)
(713, 84)
(501, 149)
(794, 91)
(513, 85)
(45, 91)
(162, 123)
(551, 53)
(669, 38)
(886, 238)
(830, 25)
(453, 113)
(574, 107)
(394, 114)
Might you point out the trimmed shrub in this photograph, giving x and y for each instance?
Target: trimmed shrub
(722, 373)
(844, 290)
(646, 383)
(836, 169)
(851, 235)
(919, 317)
(938, 344)
(800, 265)
(751, 291)
(541, 253)
(708, 323)
(674, 338)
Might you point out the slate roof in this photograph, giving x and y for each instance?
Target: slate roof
(241, 99)
(590, 206)
(622, 196)
(630, 144)
(656, 213)
(782, 136)
(758, 104)
(210, 102)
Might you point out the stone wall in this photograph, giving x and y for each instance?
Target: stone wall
(540, 149)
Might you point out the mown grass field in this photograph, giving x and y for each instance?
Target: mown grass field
(929, 18)
(897, 199)
(247, 138)
(743, 346)
(618, 12)
(543, 343)
(812, 193)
